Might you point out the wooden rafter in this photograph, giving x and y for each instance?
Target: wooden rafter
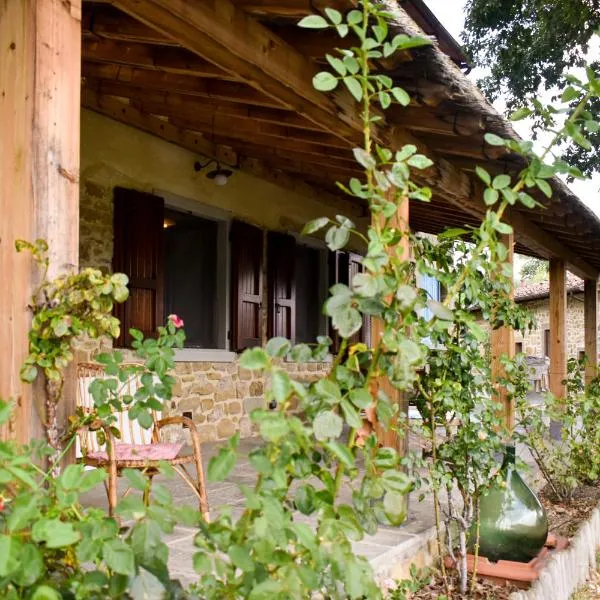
(184, 84)
(129, 115)
(236, 42)
(148, 56)
(291, 9)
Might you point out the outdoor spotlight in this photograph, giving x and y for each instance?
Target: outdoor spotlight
(221, 176)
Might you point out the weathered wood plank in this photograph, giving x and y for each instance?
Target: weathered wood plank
(590, 315)
(558, 327)
(503, 343)
(39, 170)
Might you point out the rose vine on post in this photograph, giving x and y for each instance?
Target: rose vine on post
(69, 306)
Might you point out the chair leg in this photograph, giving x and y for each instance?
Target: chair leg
(196, 487)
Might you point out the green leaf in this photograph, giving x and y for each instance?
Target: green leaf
(521, 113)
(334, 15)
(354, 87)
(241, 558)
(419, 161)
(328, 390)
(280, 385)
(361, 398)
(146, 586)
(490, 196)
(277, 347)
(341, 452)
(494, 140)
(351, 415)
(503, 228)
(325, 81)
(136, 479)
(364, 158)
(24, 509)
(483, 175)
(327, 425)
(253, 359)
(266, 590)
(119, 557)
(394, 505)
(5, 411)
(304, 499)
(313, 22)
(337, 237)
(401, 96)
(10, 549)
(221, 465)
(45, 592)
(301, 353)
(315, 225)
(440, 311)
(273, 426)
(336, 64)
(396, 481)
(500, 182)
(569, 93)
(56, 533)
(544, 186)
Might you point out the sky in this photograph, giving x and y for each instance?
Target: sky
(451, 14)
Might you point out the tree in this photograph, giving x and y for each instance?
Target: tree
(534, 270)
(528, 44)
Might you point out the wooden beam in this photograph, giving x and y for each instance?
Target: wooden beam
(183, 84)
(158, 102)
(503, 344)
(434, 121)
(590, 316)
(471, 147)
(292, 9)
(160, 58)
(105, 21)
(129, 115)
(236, 42)
(39, 175)
(391, 439)
(558, 327)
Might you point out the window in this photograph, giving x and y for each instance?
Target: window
(191, 246)
(547, 342)
(518, 347)
(311, 292)
(174, 260)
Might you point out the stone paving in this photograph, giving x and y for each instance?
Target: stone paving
(385, 550)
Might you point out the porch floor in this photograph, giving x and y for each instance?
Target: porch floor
(391, 550)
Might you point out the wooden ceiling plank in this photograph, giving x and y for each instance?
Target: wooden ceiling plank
(184, 84)
(233, 40)
(128, 115)
(161, 58)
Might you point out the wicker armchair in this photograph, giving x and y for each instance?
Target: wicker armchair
(138, 448)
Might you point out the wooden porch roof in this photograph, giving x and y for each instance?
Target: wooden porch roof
(232, 80)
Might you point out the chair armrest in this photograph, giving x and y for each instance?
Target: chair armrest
(177, 420)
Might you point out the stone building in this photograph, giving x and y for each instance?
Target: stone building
(535, 298)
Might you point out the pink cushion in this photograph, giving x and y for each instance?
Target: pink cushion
(140, 452)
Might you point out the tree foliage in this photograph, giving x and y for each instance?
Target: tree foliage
(528, 45)
(534, 270)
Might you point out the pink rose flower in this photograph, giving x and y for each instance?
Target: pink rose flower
(177, 321)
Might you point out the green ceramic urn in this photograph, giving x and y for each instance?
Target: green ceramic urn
(514, 525)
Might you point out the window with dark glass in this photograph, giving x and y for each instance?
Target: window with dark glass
(190, 280)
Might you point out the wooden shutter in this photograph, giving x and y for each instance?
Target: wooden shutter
(246, 267)
(138, 252)
(281, 259)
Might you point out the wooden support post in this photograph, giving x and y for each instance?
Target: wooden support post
(503, 343)
(40, 60)
(590, 315)
(558, 329)
(558, 335)
(390, 439)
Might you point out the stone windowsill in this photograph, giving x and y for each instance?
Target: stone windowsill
(204, 355)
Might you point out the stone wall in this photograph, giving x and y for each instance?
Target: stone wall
(533, 342)
(219, 395)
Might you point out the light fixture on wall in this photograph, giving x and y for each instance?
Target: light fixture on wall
(219, 174)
